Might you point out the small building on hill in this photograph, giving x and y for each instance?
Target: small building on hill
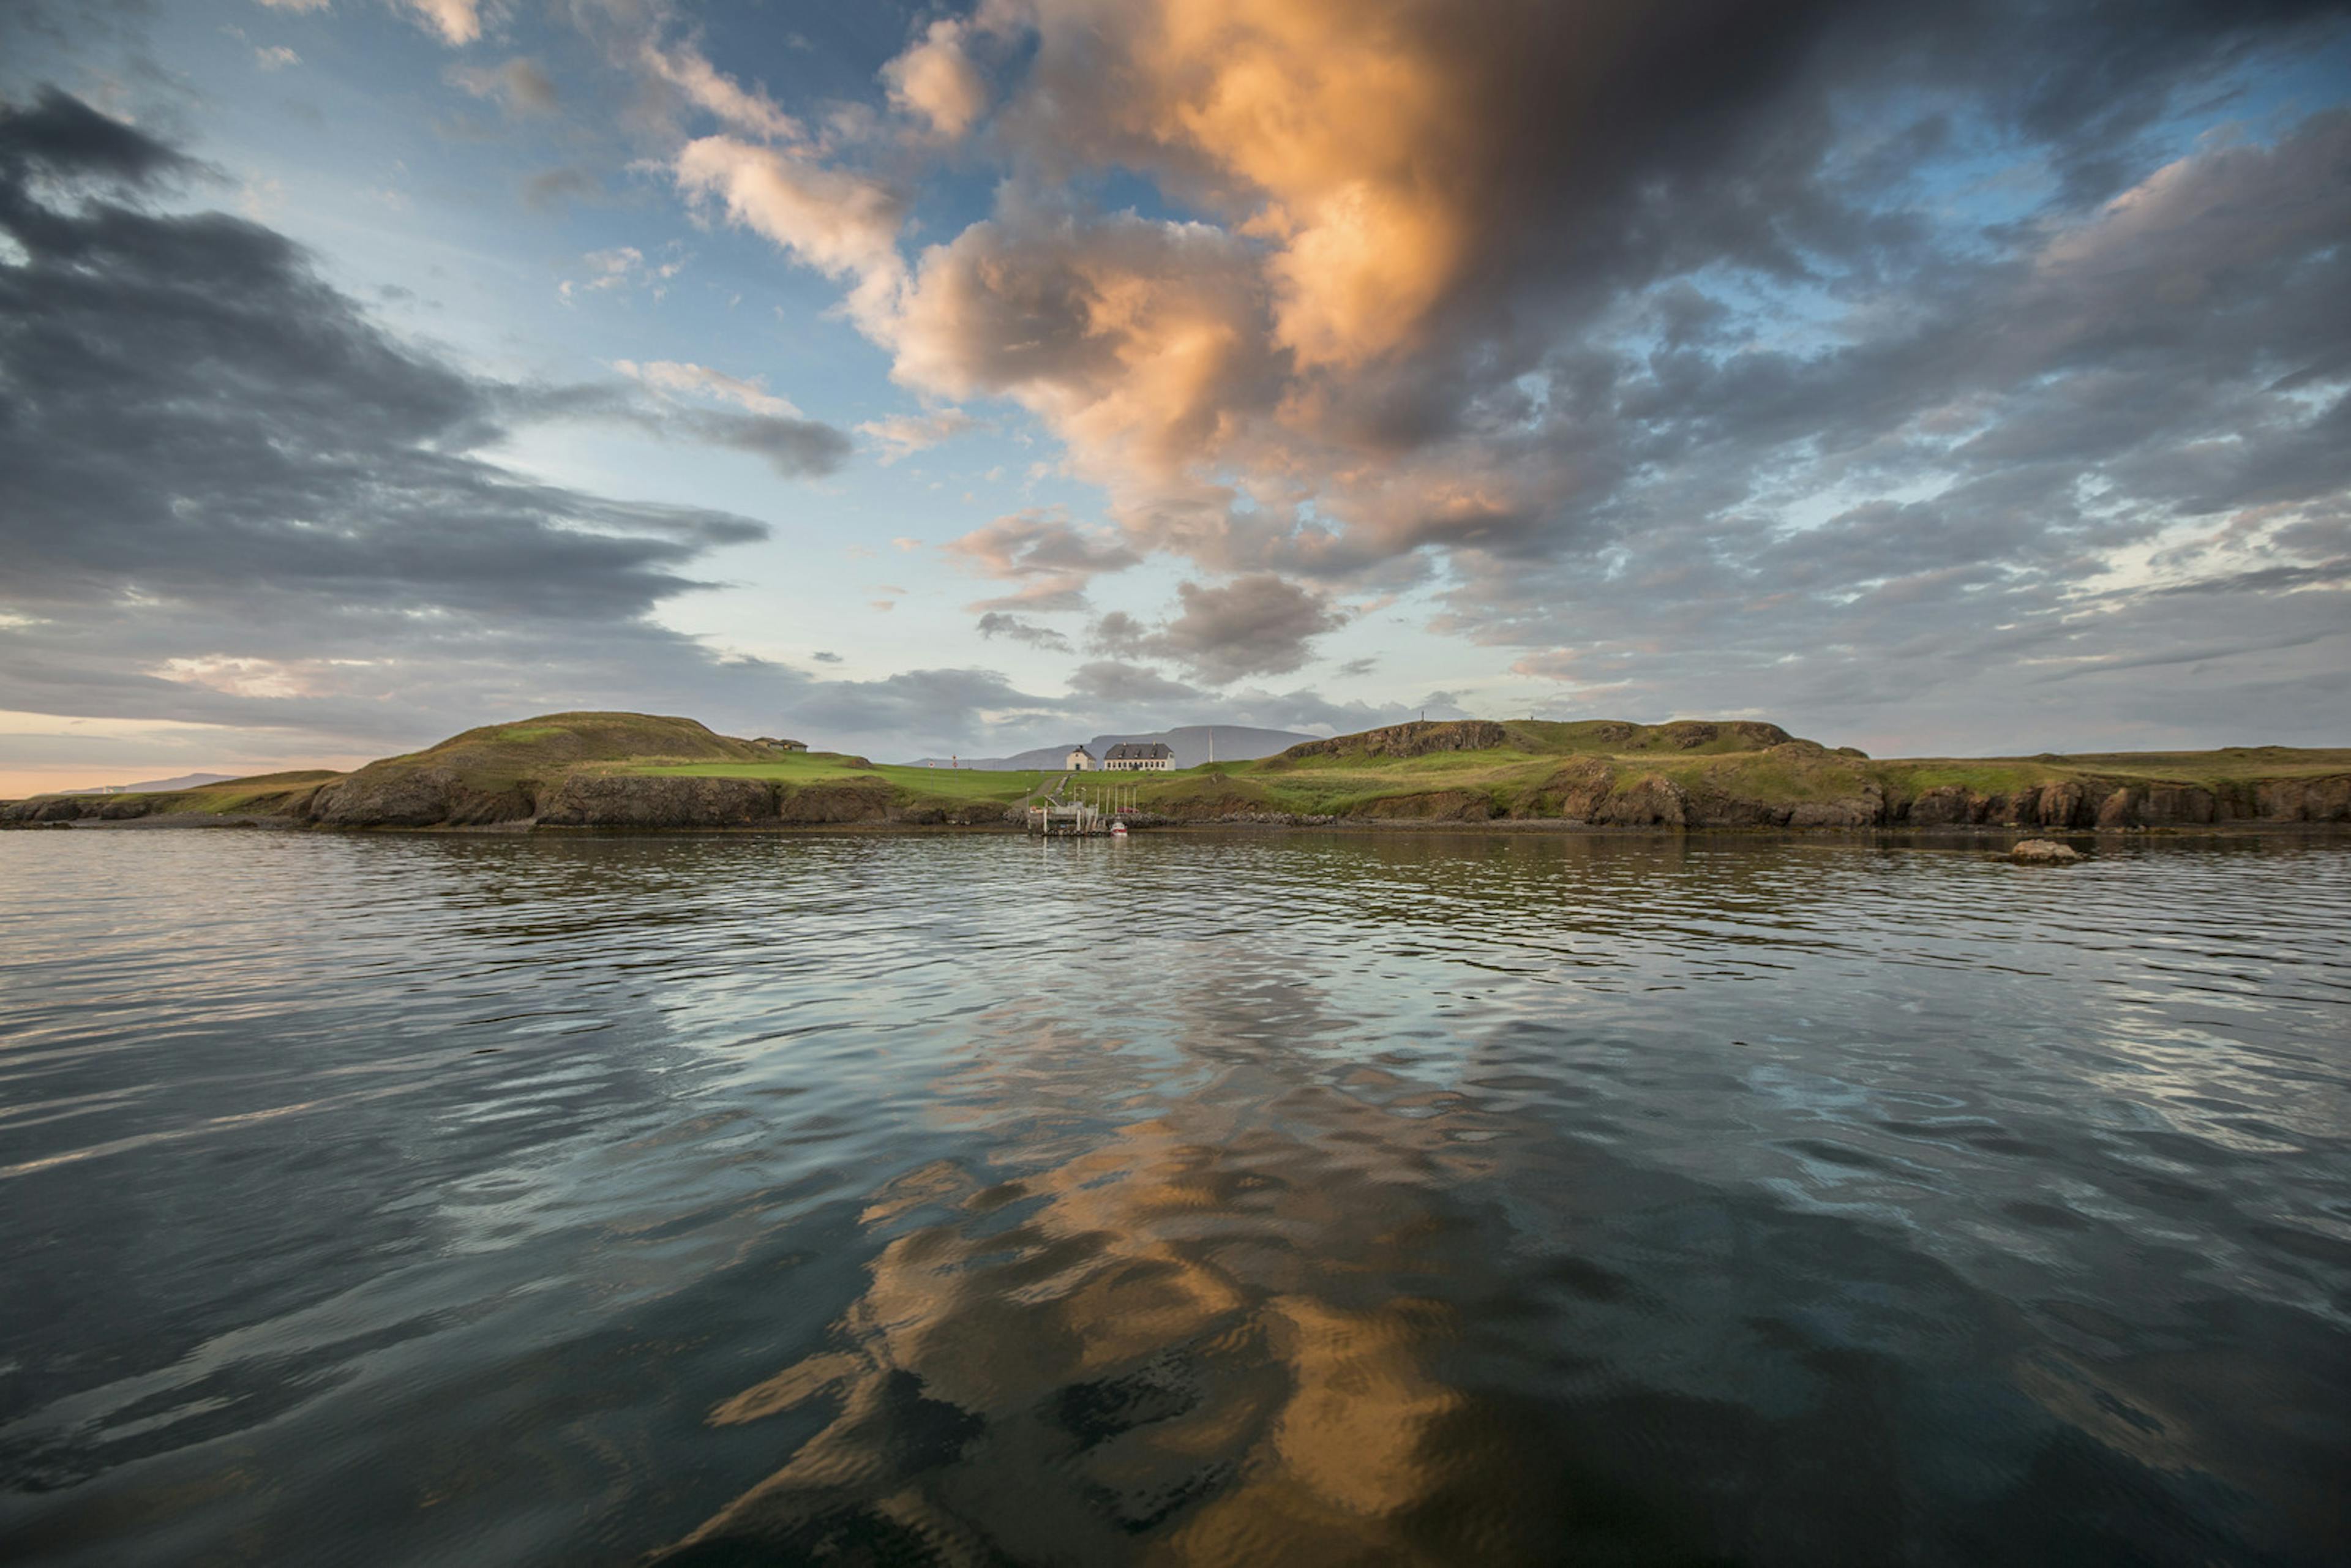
(772, 744)
(1080, 760)
(1139, 757)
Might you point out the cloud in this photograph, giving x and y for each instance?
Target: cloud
(246, 677)
(923, 710)
(1118, 632)
(677, 377)
(1847, 361)
(996, 624)
(1271, 111)
(1113, 693)
(936, 80)
(1533, 326)
(624, 266)
(1051, 559)
(520, 86)
(241, 507)
(794, 448)
(60, 138)
(551, 187)
(842, 224)
(1140, 342)
(1123, 686)
(1261, 624)
(978, 712)
(1258, 624)
(686, 68)
(457, 21)
(904, 434)
(235, 500)
(296, 5)
(276, 58)
(1572, 666)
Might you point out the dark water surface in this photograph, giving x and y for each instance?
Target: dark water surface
(1196, 1199)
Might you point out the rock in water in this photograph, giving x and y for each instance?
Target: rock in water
(2042, 852)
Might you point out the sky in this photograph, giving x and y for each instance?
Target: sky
(1960, 379)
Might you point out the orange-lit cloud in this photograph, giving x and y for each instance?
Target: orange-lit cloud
(936, 80)
(1214, 376)
(1331, 125)
(842, 224)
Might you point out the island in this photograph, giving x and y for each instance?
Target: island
(588, 770)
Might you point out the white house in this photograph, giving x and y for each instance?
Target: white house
(1137, 757)
(1080, 760)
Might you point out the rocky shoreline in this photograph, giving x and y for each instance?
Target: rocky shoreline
(642, 771)
(1585, 797)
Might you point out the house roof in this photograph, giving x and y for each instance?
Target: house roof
(1076, 749)
(1129, 751)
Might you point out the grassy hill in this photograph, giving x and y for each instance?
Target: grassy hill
(639, 769)
(1689, 773)
(499, 773)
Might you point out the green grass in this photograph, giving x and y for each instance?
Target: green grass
(2232, 764)
(1908, 778)
(1524, 776)
(957, 785)
(261, 794)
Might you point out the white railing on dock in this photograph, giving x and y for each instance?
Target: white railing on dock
(1093, 812)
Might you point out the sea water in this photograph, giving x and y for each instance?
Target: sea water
(1194, 1199)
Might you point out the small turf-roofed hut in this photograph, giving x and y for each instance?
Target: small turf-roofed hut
(1139, 757)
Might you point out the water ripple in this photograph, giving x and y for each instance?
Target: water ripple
(1414, 1197)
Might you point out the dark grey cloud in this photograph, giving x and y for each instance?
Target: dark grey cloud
(996, 623)
(550, 188)
(1259, 624)
(233, 498)
(186, 410)
(794, 448)
(2132, 406)
(1136, 697)
(1126, 685)
(60, 137)
(1118, 632)
(520, 86)
(1256, 626)
(918, 709)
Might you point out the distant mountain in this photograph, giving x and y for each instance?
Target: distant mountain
(1191, 745)
(154, 786)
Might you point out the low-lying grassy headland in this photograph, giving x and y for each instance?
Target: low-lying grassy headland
(615, 769)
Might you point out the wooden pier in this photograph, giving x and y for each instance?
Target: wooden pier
(1098, 811)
